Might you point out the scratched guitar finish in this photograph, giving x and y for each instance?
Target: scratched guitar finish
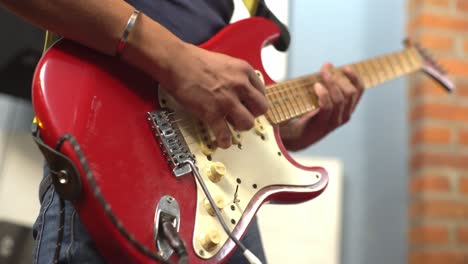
(106, 106)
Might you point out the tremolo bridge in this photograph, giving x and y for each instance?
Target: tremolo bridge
(171, 141)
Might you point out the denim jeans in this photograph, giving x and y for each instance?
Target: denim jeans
(77, 246)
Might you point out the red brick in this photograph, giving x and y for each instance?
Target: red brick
(462, 5)
(462, 89)
(439, 209)
(438, 257)
(431, 135)
(429, 183)
(439, 111)
(426, 87)
(438, 3)
(427, 19)
(465, 45)
(434, 41)
(439, 159)
(455, 66)
(462, 235)
(462, 137)
(429, 234)
(463, 185)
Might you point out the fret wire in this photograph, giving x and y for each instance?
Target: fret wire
(408, 58)
(366, 73)
(306, 93)
(298, 86)
(397, 64)
(291, 86)
(277, 109)
(302, 96)
(382, 69)
(275, 103)
(310, 95)
(285, 97)
(414, 54)
(375, 79)
(283, 104)
(362, 76)
(377, 71)
(280, 104)
(411, 58)
(286, 90)
(403, 61)
(287, 102)
(272, 117)
(273, 107)
(389, 66)
(364, 65)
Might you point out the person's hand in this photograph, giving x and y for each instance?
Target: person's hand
(338, 96)
(216, 88)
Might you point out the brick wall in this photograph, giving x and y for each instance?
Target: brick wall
(438, 183)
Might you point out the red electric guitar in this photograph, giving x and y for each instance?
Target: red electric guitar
(142, 159)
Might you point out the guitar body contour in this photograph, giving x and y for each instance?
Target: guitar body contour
(104, 103)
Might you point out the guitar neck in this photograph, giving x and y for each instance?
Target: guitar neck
(293, 98)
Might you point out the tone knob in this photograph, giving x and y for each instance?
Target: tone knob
(217, 171)
(210, 240)
(219, 203)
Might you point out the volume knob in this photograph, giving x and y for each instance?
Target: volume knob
(217, 171)
(210, 240)
(219, 203)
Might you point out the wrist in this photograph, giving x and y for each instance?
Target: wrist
(150, 47)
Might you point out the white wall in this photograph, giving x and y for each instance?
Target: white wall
(309, 232)
(20, 164)
(373, 145)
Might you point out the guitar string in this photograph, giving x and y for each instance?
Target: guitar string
(299, 86)
(306, 83)
(310, 79)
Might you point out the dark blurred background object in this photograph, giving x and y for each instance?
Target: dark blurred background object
(16, 74)
(16, 243)
(20, 50)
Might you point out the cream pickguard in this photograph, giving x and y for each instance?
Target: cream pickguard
(254, 163)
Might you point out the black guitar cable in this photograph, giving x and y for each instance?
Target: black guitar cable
(174, 239)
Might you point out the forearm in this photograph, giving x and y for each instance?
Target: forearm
(99, 25)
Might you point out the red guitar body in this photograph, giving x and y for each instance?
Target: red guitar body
(103, 104)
